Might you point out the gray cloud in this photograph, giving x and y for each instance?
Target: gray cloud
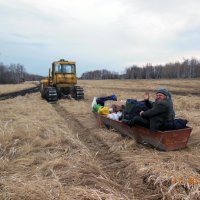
(114, 34)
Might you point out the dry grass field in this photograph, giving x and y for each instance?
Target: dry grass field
(59, 151)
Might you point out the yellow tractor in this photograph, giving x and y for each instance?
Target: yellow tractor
(61, 82)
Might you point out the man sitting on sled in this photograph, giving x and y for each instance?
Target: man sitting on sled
(157, 114)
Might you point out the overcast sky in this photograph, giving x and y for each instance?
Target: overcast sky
(98, 34)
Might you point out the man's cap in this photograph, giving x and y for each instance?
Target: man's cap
(162, 91)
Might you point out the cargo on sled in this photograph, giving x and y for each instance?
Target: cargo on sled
(162, 140)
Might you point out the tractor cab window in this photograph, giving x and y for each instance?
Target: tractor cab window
(58, 68)
(68, 68)
(65, 68)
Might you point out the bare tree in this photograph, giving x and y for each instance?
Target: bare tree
(189, 68)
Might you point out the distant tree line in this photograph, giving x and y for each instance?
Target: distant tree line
(99, 75)
(189, 68)
(15, 73)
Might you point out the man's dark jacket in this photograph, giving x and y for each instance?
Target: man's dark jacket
(157, 114)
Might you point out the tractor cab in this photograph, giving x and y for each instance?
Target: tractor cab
(64, 73)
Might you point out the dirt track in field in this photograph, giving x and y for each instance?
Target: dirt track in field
(23, 92)
(113, 165)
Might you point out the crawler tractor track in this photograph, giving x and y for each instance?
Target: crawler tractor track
(109, 161)
(19, 93)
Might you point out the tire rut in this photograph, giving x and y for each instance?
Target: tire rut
(182, 93)
(109, 161)
(19, 93)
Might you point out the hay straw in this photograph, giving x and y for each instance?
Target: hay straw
(49, 154)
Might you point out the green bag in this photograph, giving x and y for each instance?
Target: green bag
(96, 107)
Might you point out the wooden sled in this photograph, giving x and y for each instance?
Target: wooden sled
(162, 140)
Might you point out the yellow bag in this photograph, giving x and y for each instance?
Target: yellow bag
(103, 110)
